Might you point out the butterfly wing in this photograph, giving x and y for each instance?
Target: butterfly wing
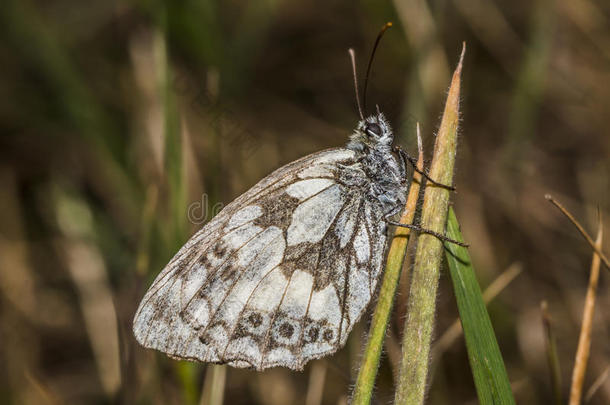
(279, 277)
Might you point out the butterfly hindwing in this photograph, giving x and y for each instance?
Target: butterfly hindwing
(278, 277)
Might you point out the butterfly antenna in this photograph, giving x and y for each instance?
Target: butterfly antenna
(368, 68)
(353, 59)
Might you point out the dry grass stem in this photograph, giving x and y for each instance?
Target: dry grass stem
(582, 231)
(584, 341)
(214, 385)
(599, 381)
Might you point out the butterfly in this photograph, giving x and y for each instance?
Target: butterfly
(283, 273)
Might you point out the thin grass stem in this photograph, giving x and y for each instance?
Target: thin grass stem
(551, 353)
(580, 228)
(597, 384)
(584, 341)
(428, 256)
(214, 385)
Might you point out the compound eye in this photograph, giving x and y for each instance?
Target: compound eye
(373, 129)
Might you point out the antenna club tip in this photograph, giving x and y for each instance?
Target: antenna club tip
(385, 27)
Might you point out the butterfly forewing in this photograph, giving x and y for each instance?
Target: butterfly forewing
(279, 276)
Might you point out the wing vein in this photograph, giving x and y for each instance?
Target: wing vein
(232, 286)
(174, 280)
(245, 306)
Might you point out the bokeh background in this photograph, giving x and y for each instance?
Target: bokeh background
(126, 124)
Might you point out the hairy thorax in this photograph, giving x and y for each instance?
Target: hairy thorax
(385, 183)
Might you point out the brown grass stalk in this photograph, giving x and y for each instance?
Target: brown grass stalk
(582, 231)
(584, 341)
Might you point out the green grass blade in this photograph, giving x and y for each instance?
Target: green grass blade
(490, 378)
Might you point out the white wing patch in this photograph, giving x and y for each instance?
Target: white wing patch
(362, 245)
(332, 158)
(258, 248)
(325, 305)
(312, 218)
(359, 293)
(279, 277)
(306, 188)
(297, 294)
(266, 295)
(346, 224)
(244, 216)
(316, 171)
(240, 236)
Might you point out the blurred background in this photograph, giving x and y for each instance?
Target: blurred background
(125, 125)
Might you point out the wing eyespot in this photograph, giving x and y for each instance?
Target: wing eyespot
(312, 334)
(286, 330)
(255, 319)
(328, 335)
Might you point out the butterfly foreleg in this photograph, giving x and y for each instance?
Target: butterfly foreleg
(405, 157)
(418, 228)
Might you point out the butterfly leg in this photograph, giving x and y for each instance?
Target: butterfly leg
(406, 158)
(429, 232)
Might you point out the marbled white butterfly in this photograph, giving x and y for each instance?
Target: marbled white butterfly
(281, 275)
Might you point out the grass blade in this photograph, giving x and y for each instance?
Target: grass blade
(487, 366)
(421, 310)
(455, 330)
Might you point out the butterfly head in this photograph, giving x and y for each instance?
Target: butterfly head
(373, 132)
